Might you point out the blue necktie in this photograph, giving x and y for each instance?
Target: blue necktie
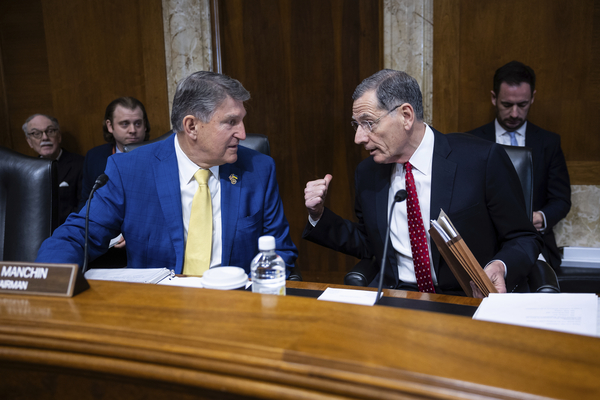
(513, 139)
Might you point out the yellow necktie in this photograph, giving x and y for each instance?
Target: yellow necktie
(199, 241)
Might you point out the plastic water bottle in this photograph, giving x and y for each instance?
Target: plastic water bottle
(268, 269)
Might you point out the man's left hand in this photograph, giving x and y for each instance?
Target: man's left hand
(495, 271)
(538, 220)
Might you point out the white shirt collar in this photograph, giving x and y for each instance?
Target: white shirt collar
(187, 168)
(501, 131)
(422, 157)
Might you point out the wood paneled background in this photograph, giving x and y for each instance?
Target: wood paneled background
(560, 42)
(70, 58)
(301, 61)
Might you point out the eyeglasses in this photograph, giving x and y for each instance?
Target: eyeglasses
(50, 132)
(368, 125)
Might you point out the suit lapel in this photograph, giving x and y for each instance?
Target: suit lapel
(166, 172)
(65, 167)
(489, 132)
(377, 192)
(535, 142)
(231, 192)
(530, 136)
(381, 192)
(442, 185)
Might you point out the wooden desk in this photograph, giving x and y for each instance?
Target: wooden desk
(135, 341)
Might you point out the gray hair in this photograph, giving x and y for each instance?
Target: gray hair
(201, 93)
(392, 89)
(28, 120)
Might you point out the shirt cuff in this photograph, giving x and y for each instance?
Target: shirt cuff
(312, 221)
(545, 224)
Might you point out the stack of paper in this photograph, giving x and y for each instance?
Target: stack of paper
(139, 275)
(564, 312)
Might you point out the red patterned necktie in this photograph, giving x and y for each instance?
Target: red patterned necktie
(418, 238)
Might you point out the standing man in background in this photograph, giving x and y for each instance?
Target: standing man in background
(43, 136)
(125, 122)
(513, 95)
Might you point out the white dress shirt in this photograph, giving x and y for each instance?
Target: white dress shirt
(421, 161)
(503, 137)
(188, 186)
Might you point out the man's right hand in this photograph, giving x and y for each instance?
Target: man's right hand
(314, 196)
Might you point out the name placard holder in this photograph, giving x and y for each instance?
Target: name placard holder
(61, 280)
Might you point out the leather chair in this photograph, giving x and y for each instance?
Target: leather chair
(541, 279)
(28, 204)
(254, 141)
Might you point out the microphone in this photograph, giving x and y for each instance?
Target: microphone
(400, 196)
(100, 181)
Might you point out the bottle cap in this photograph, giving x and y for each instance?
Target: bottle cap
(266, 243)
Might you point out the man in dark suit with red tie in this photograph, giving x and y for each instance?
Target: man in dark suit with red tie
(513, 95)
(472, 180)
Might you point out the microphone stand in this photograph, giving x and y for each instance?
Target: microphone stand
(100, 181)
(398, 197)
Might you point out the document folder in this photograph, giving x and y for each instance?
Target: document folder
(459, 257)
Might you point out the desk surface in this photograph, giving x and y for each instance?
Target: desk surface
(123, 340)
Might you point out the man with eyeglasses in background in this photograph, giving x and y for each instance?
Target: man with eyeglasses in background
(472, 180)
(43, 136)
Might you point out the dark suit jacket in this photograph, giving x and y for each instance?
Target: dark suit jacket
(552, 188)
(69, 168)
(93, 166)
(142, 199)
(474, 182)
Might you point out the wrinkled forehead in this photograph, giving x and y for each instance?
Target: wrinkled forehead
(366, 106)
(40, 123)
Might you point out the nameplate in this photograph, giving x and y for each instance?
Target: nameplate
(62, 280)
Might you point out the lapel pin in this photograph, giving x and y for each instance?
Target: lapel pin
(233, 178)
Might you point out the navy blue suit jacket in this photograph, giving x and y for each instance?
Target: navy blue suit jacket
(142, 199)
(93, 166)
(469, 182)
(551, 184)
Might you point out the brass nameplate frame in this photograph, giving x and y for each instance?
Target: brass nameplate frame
(62, 280)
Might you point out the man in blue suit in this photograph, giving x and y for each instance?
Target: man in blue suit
(471, 179)
(150, 191)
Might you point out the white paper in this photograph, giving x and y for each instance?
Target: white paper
(352, 296)
(114, 241)
(564, 312)
(138, 275)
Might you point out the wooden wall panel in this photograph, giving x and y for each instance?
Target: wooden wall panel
(560, 43)
(301, 61)
(25, 73)
(70, 58)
